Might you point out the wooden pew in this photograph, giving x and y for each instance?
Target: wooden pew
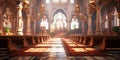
(19, 41)
(110, 43)
(103, 42)
(6, 44)
(36, 38)
(96, 40)
(40, 38)
(30, 39)
(81, 38)
(87, 40)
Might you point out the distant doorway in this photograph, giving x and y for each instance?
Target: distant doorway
(59, 23)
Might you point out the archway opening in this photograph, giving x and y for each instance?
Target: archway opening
(59, 23)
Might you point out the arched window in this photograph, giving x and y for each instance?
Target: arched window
(106, 22)
(44, 23)
(47, 1)
(59, 1)
(71, 1)
(60, 21)
(116, 19)
(74, 23)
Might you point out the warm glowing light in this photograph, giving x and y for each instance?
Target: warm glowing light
(38, 50)
(55, 45)
(79, 50)
(55, 1)
(45, 50)
(59, 1)
(57, 50)
(71, 1)
(47, 1)
(63, 1)
(74, 23)
(91, 1)
(72, 44)
(80, 45)
(83, 49)
(44, 24)
(89, 49)
(59, 21)
(42, 5)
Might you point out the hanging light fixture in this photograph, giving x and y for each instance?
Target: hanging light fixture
(92, 5)
(26, 4)
(77, 9)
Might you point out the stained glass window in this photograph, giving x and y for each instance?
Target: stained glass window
(71, 1)
(74, 23)
(47, 1)
(59, 1)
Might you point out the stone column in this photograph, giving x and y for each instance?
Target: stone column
(28, 31)
(34, 30)
(89, 25)
(110, 23)
(89, 19)
(83, 32)
(1, 18)
(98, 22)
(20, 22)
(68, 25)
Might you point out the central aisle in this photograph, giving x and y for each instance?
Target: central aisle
(60, 49)
(52, 48)
(57, 48)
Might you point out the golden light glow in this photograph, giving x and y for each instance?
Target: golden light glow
(91, 1)
(89, 49)
(38, 50)
(55, 46)
(45, 50)
(57, 50)
(79, 50)
(80, 45)
(72, 44)
(82, 49)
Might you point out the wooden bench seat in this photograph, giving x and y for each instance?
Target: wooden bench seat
(103, 42)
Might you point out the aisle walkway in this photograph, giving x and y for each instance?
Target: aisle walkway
(53, 49)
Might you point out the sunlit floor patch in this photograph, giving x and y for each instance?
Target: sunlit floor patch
(80, 45)
(72, 45)
(90, 49)
(82, 49)
(70, 42)
(55, 46)
(42, 45)
(78, 50)
(45, 50)
(38, 50)
(57, 50)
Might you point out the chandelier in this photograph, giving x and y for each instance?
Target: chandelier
(26, 4)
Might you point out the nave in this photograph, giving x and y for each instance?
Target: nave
(60, 49)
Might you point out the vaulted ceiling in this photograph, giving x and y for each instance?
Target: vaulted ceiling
(108, 5)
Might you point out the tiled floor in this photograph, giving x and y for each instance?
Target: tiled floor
(56, 51)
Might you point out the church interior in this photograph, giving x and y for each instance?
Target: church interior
(59, 29)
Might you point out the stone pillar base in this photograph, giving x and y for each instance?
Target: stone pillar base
(28, 33)
(20, 33)
(89, 33)
(99, 33)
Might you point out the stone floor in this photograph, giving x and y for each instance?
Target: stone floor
(57, 52)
